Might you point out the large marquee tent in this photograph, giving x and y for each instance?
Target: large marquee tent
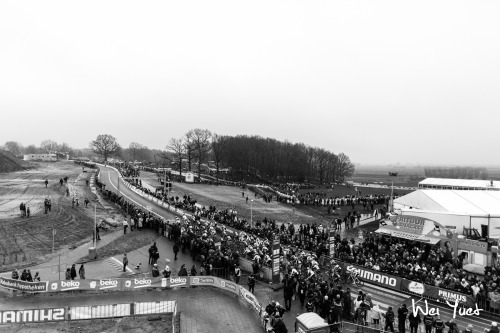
(459, 184)
(455, 209)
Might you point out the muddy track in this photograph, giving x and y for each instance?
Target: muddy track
(27, 239)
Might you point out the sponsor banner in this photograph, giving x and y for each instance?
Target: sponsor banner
(138, 283)
(180, 281)
(250, 299)
(276, 260)
(99, 311)
(228, 285)
(473, 245)
(67, 285)
(154, 307)
(202, 281)
(440, 294)
(32, 316)
(332, 242)
(375, 277)
(32, 287)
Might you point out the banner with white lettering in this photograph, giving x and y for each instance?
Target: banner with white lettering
(202, 281)
(276, 260)
(440, 294)
(32, 315)
(228, 285)
(32, 287)
(374, 277)
(250, 299)
(88, 284)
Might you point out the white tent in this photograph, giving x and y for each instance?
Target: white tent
(455, 208)
(459, 184)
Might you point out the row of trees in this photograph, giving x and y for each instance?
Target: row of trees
(457, 173)
(45, 147)
(266, 158)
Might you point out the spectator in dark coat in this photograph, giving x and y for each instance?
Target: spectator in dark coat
(73, 272)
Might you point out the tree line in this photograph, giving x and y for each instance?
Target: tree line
(266, 158)
(457, 173)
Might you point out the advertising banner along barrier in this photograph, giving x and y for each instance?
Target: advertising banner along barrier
(34, 287)
(375, 277)
(32, 315)
(439, 294)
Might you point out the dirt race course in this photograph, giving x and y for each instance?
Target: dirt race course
(28, 240)
(229, 197)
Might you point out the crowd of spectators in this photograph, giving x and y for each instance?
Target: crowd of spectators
(425, 263)
(215, 247)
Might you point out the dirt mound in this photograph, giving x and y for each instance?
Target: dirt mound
(9, 163)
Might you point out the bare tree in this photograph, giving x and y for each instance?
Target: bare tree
(178, 147)
(218, 151)
(14, 147)
(200, 141)
(189, 148)
(48, 146)
(344, 167)
(134, 148)
(105, 145)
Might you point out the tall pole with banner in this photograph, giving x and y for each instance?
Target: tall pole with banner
(332, 242)
(276, 260)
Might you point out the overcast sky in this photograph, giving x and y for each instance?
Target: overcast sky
(382, 81)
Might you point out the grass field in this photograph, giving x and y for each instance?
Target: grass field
(230, 197)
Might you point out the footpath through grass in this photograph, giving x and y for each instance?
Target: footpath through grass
(127, 243)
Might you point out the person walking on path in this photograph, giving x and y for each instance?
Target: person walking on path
(402, 314)
(28, 212)
(389, 320)
(251, 283)
(98, 237)
(81, 272)
(125, 262)
(46, 183)
(125, 226)
(176, 249)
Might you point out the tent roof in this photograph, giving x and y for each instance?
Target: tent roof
(312, 320)
(473, 183)
(453, 201)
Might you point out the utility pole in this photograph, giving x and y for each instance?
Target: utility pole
(251, 213)
(53, 237)
(95, 225)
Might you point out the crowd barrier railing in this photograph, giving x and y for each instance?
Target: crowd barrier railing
(103, 311)
(128, 284)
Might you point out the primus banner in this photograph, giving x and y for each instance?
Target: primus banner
(440, 294)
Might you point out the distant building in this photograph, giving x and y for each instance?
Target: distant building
(41, 157)
(459, 184)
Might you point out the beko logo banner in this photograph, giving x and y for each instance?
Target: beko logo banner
(32, 316)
